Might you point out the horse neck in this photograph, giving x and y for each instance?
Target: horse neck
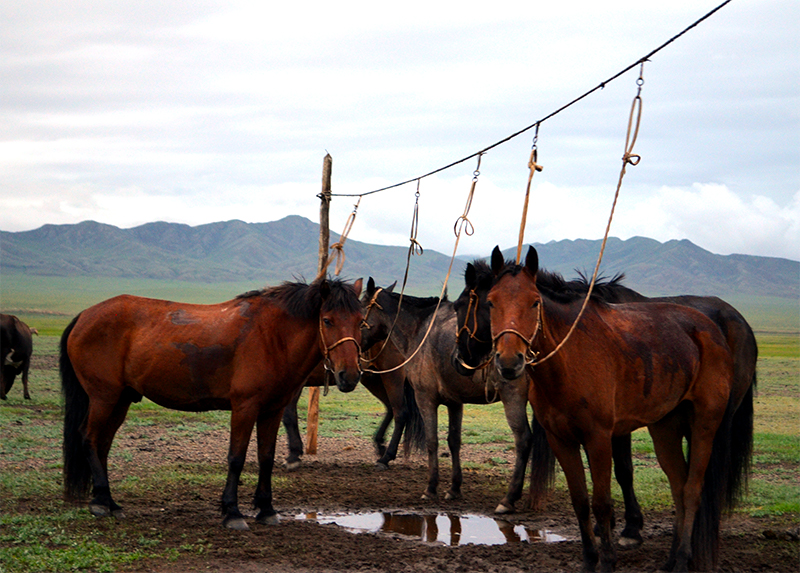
(557, 319)
(412, 323)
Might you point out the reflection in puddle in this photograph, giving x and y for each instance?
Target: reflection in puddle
(438, 528)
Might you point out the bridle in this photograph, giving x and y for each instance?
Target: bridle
(326, 360)
(472, 307)
(530, 354)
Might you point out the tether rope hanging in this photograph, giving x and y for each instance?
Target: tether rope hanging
(548, 116)
(415, 248)
(338, 246)
(462, 224)
(534, 167)
(627, 158)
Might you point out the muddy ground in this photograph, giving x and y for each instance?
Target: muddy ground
(342, 478)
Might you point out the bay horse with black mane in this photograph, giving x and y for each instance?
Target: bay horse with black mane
(660, 365)
(436, 382)
(474, 351)
(248, 355)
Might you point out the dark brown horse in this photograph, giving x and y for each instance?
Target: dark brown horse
(436, 382)
(664, 366)
(474, 350)
(248, 355)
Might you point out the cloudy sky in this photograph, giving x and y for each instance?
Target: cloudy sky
(202, 111)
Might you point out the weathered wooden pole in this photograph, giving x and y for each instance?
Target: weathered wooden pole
(312, 421)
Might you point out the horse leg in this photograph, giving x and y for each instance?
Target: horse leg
(667, 437)
(290, 423)
(569, 457)
(393, 383)
(599, 453)
(266, 433)
(631, 535)
(242, 421)
(455, 418)
(102, 423)
(25, 368)
(428, 409)
(516, 410)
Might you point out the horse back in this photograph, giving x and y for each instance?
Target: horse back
(662, 354)
(181, 356)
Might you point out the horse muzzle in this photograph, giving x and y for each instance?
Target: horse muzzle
(510, 368)
(347, 380)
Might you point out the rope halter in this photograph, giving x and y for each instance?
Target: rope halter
(326, 360)
(530, 354)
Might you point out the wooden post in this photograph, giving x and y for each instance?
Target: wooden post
(312, 422)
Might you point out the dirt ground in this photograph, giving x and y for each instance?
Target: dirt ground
(342, 478)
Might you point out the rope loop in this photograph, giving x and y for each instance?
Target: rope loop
(463, 223)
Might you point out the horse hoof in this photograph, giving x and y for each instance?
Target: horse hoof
(237, 523)
(380, 466)
(118, 514)
(503, 509)
(99, 510)
(427, 496)
(292, 466)
(452, 495)
(629, 542)
(269, 520)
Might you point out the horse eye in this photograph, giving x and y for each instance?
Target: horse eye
(327, 322)
(536, 303)
(489, 304)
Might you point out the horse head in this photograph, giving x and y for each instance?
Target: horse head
(340, 320)
(515, 303)
(473, 335)
(374, 327)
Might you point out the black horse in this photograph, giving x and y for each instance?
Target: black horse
(474, 349)
(436, 382)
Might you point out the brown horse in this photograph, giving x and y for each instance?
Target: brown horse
(248, 355)
(474, 350)
(626, 366)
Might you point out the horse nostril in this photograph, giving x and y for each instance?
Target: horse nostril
(520, 357)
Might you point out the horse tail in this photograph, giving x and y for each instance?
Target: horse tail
(741, 449)
(543, 466)
(77, 473)
(725, 479)
(414, 435)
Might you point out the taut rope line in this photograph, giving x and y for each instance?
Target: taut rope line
(550, 115)
(534, 167)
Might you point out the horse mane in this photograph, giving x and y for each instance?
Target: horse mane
(556, 288)
(304, 300)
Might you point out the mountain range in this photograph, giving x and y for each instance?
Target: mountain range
(268, 253)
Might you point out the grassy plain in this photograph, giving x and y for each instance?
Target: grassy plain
(58, 537)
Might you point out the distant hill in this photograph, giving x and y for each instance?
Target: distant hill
(268, 253)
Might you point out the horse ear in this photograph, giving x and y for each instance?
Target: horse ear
(470, 276)
(370, 286)
(358, 285)
(532, 261)
(324, 289)
(390, 288)
(498, 262)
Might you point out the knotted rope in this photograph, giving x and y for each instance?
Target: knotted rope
(338, 246)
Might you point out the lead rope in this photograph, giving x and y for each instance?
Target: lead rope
(461, 224)
(627, 158)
